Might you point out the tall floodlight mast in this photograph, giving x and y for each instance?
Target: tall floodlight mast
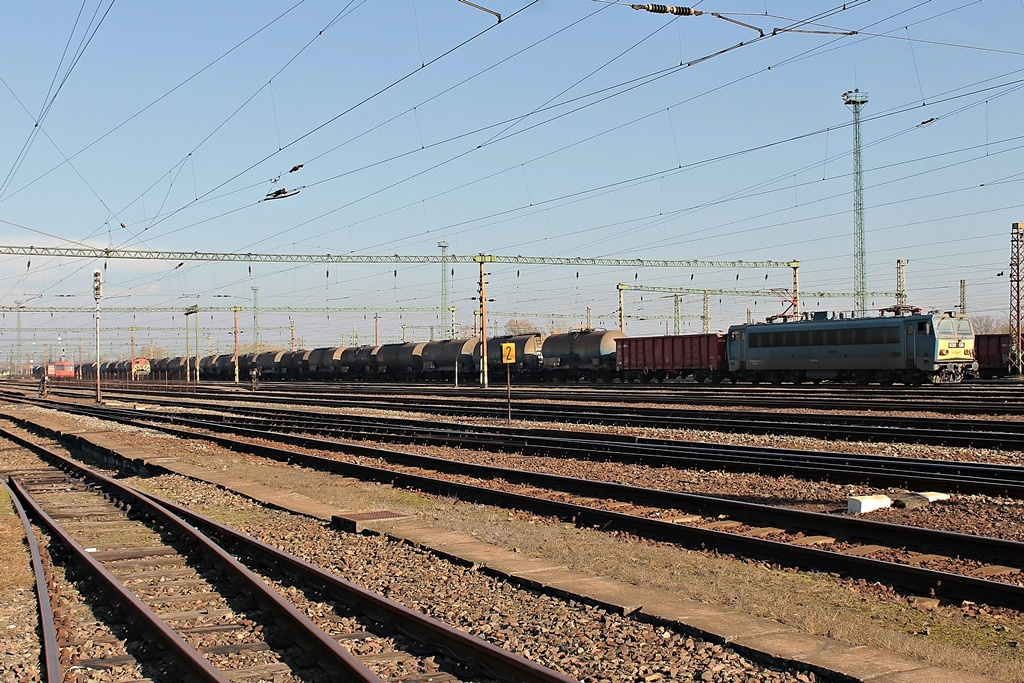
(856, 101)
(443, 313)
(1016, 335)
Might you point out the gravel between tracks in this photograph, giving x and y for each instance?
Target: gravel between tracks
(583, 641)
(965, 636)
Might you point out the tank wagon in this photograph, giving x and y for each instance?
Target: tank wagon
(529, 355)
(320, 363)
(268, 363)
(401, 362)
(912, 349)
(294, 364)
(358, 363)
(43, 370)
(439, 360)
(586, 354)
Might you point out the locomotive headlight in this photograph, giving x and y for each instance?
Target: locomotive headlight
(943, 352)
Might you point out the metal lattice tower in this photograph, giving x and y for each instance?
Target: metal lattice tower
(856, 101)
(444, 312)
(901, 283)
(963, 296)
(1016, 258)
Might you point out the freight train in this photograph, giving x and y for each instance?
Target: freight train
(911, 349)
(573, 356)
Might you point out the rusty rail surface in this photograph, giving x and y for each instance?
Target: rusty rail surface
(51, 652)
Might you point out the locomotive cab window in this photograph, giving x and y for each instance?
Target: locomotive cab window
(944, 328)
(963, 328)
(924, 327)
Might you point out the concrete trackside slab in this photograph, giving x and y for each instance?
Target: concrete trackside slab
(930, 675)
(468, 549)
(857, 662)
(608, 593)
(865, 663)
(711, 621)
(512, 565)
(274, 497)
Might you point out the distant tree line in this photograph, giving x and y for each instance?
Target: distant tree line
(990, 324)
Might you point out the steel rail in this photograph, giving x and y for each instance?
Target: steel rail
(931, 431)
(962, 477)
(337, 662)
(942, 541)
(919, 580)
(189, 659)
(919, 473)
(459, 645)
(707, 395)
(51, 651)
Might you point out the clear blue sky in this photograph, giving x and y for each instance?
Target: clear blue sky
(570, 128)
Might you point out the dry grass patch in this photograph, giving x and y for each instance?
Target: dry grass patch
(15, 561)
(814, 603)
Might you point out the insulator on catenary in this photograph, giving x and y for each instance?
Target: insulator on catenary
(668, 9)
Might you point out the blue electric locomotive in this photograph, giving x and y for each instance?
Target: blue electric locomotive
(912, 349)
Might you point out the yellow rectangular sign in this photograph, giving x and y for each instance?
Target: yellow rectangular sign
(508, 353)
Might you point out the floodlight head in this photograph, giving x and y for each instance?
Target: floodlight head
(855, 97)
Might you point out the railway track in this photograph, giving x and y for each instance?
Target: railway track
(1005, 399)
(876, 470)
(207, 617)
(926, 562)
(975, 400)
(967, 433)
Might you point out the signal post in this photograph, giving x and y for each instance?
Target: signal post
(508, 358)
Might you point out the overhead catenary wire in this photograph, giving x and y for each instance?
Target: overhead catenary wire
(519, 163)
(335, 118)
(56, 87)
(393, 185)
